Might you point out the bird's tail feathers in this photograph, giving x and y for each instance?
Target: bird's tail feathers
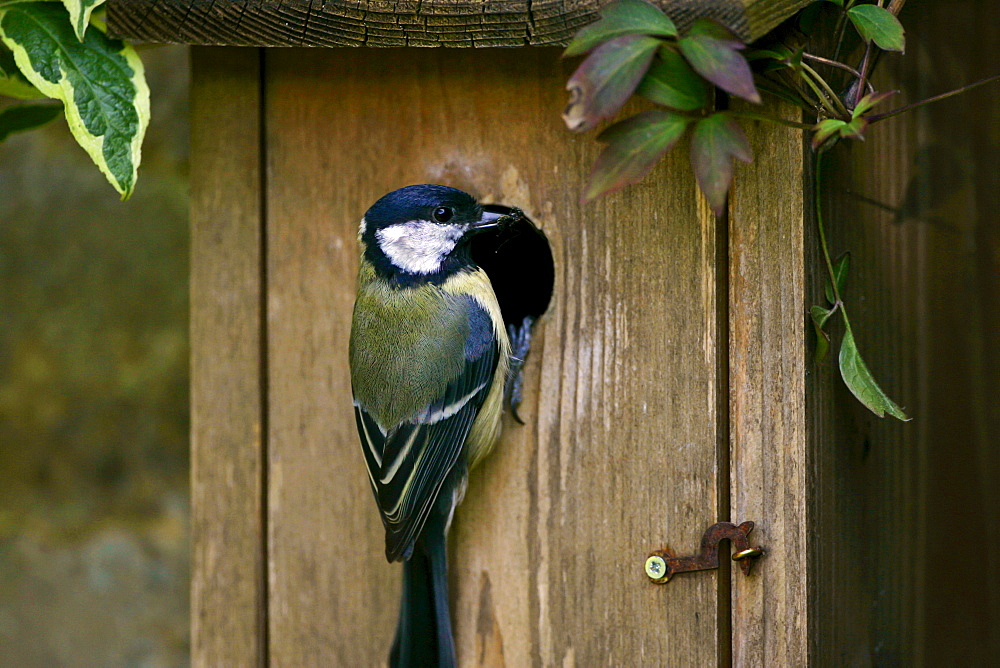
(423, 635)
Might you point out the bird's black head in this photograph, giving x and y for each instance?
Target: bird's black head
(421, 233)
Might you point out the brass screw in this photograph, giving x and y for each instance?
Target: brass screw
(747, 554)
(656, 568)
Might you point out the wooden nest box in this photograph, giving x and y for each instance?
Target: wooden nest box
(671, 384)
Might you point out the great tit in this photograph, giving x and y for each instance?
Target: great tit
(429, 357)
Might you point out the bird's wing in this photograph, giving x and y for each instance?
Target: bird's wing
(408, 464)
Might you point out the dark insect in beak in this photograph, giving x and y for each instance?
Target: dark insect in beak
(492, 220)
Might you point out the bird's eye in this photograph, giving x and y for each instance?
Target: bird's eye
(443, 214)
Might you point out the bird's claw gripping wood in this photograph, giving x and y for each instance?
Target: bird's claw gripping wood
(661, 565)
(520, 344)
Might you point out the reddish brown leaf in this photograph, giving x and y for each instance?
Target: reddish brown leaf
(635, 145)
(606, 79)
(715, 142)
(721, 63)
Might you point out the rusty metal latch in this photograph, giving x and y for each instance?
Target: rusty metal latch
(661, 565)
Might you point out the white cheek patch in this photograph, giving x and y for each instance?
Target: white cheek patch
(419, 246)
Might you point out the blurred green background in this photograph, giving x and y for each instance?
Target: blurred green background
(94, 511)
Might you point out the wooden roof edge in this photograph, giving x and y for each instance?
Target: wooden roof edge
(389, 23)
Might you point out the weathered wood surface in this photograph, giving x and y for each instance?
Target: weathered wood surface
(625, 395)
(228, 596)
(866, 520)
(386, 23)
(767, 364)
(619, 453)
(957, 182)
(906, 545)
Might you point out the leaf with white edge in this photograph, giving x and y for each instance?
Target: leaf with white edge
(861, 383)
(622, 17)
(840, 268)
(721, 63)
(716, 140)
(12, 82)
(671, 82)
(79, 14)
(634, 147)
(99, 80)
(876, 24)
(819, 316)
(26, 117)
(606, 79)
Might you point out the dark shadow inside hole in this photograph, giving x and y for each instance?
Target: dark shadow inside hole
(518, 260)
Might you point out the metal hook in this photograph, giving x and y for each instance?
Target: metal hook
(661, 565)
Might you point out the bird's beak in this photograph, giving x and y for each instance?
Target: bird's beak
(491, 220)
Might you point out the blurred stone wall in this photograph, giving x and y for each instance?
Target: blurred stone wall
(94, 539)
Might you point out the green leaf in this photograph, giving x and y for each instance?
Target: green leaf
(840, 268)
(622, 17)
(866, 103)
(878, 25)
(854, 129)
(26, 117)
(779, 52)
(795, 60)
(99, 80)
(671, 82)
(825, 130)
(79, 14)
(12, 82)
(860, 380)
(721, 63)
(634, 147)
(837, 2)
(705, 27)
(819, 316)
(606, 79)
(716, 140)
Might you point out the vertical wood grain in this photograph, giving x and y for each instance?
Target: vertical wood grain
(619, 452)
(865, 507)
(333, 598)
(227, 592)
(767, 358)
(868, 507)
(956, 190)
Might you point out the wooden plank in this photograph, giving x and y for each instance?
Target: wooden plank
(767, 358)
(868, 518)
(949, 205)
(227, 588)
(380, 23)
(619, 452)
(866, 471)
